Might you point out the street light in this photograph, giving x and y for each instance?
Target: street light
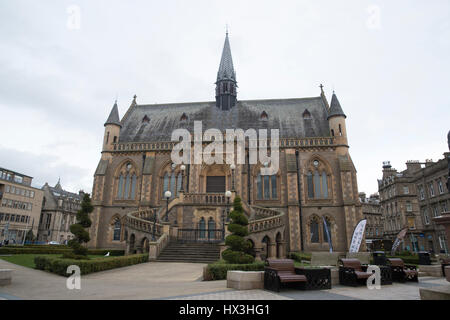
(182, 168)
(232, 167)
(228, 196)
(167, 194)
(154, 226)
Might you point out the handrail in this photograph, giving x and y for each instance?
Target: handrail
(270, 219)
(142, 220)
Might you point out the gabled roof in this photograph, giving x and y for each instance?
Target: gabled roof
(283, 114)
(114, 116)
(226, 69)
(335, 108)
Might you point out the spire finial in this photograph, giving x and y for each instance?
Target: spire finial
(226, 27)
(321, 88)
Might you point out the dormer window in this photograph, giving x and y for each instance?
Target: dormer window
(183, 117)
(145, 119)
(264, 115)
(306, 114)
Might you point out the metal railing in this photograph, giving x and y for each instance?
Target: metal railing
(200, 235)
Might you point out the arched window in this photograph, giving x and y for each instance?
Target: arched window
(120, 188)
(274, 186)
(324, 185)
(126, 185)
(165, 184)
(317, 180)
(259, 186)
(202, 227)
(316, 183)
(340, 130)
(332, 132)
(310, 184)
(117, 230)
(133, 186)
(314, 230)
(211, 228)
(173, 184)
(179, 181)
(171, 180)
(325, 235)
(267, 187)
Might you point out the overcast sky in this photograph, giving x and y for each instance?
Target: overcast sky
(388, 62)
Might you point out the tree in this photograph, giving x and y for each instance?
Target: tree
(238, 246)
(29, 236)
(79, 229)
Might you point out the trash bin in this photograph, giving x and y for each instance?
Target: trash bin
(379, 258)
(424, 258)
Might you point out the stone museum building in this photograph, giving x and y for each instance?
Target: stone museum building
(20, 206)
(316, 180)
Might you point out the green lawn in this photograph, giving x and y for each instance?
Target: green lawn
(27, 260)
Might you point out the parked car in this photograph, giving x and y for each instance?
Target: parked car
(53, 243)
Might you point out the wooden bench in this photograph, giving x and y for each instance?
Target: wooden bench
(282, 271)
(352, 273)
(445, 262)
(402, 272)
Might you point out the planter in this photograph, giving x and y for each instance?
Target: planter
(245, 280)
(5, 277)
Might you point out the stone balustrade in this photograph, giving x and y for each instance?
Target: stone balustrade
(143, 221)
(205, 198)
(270, 219)
(168, 145)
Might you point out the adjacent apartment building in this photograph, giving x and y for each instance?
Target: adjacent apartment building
(59, 211)
(372, 212)
(20, 206)
(412, 198)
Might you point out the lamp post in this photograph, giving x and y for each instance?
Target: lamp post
(223, 225)
(154, 226)
(182, 168)
(228, 196)
(167, 194)
(232, 167)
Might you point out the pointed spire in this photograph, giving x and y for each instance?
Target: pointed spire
(58, 184)
(335, 108)
(226, 69)
(114, 116)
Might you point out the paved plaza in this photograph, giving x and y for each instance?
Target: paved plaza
(169, 281)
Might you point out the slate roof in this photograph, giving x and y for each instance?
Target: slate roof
(335, 107)
(114, 116)
(226, 69)
(287, 115)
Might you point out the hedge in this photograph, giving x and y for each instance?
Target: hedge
(60, 265)
(218, 270)
(299, 256)
(51, 250)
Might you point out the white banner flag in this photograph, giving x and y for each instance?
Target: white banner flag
(358, 235)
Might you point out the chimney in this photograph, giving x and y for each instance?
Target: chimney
(413, 165)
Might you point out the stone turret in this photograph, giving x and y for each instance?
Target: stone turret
(112, 129)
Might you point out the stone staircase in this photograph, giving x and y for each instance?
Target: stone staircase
(190, 252)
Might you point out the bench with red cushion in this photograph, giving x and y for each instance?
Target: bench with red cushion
(280, 271)
(401, 271)
(352, 273)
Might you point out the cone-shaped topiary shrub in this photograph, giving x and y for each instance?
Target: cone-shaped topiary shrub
(238, 246)
(79, 228)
